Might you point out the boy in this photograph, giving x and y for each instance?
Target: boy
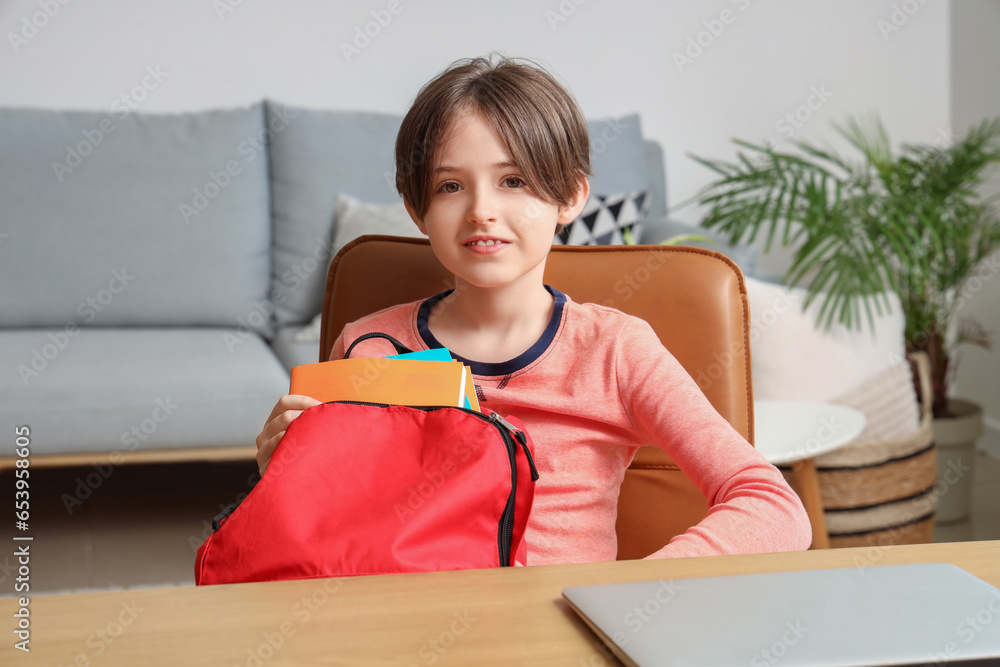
(491, 160)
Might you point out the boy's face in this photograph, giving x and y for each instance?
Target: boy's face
(485, 223)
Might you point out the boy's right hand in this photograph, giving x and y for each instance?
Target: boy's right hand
(285, 410)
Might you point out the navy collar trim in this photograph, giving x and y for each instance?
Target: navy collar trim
(510, 367)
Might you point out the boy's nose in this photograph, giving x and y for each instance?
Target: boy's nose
(482, 207)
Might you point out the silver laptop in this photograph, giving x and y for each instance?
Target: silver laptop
(921, 614)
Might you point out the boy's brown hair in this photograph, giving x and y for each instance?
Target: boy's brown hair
(538, 120)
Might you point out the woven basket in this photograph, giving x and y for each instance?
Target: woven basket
(882, 492)
(879, 492)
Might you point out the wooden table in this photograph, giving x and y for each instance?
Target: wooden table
(512, 616)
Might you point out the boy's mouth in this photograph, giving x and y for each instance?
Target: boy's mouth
(485, 242)
(485, 246)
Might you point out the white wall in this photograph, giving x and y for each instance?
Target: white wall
(616, 57)
(975, 30)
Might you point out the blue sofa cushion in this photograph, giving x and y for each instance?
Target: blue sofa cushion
(107, 390)
(618, 156)
(315, 156)
(133, 219)
(291, 351)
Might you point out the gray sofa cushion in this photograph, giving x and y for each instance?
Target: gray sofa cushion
(291, 352)
(134, 220)
(105, 390)
(316, 156)
(618, 156)
(657, 171)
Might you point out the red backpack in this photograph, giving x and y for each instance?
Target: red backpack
(357, 489)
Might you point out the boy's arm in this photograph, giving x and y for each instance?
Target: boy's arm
(751, 506)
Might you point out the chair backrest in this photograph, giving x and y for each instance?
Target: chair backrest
(694, 299)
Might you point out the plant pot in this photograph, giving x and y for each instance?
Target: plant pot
(956, 450)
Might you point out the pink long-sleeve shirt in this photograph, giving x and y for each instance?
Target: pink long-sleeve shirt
(594, 387)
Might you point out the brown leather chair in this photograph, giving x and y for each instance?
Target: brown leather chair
(694, 299)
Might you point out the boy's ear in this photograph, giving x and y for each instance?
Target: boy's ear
(571, 211)
(413, 216)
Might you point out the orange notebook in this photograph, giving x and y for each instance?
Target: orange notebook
(442, 354)
(374, 380)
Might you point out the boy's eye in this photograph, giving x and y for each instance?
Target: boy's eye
(513, 182)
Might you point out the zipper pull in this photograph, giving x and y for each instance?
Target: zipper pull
(521, 438)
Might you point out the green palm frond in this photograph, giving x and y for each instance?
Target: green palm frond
(910, 222)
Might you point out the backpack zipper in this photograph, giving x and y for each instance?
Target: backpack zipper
(521, 438)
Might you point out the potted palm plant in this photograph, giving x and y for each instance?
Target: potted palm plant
(909, 221)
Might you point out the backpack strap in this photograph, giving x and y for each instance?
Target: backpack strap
(400, 348)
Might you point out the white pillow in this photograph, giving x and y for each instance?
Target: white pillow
(795, 359)
(356, 218)
(892, 414)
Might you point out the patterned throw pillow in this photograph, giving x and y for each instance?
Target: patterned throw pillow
(604, 218)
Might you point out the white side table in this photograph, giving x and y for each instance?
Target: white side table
(794, 432)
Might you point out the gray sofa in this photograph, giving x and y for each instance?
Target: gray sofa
(155, 268)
